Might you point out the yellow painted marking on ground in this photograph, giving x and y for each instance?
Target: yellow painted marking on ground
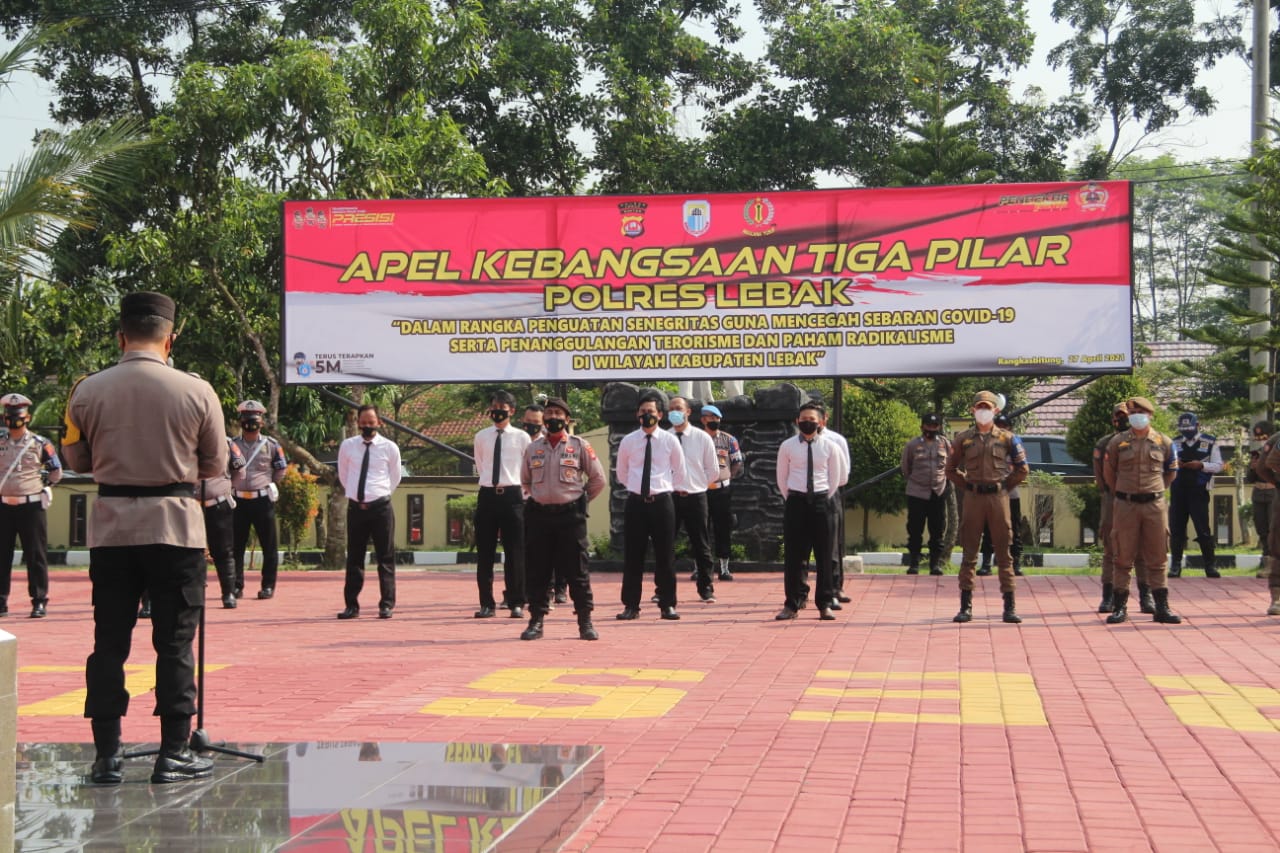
(1214, 703)
(984, 698)
(139, 678)
(611, 702)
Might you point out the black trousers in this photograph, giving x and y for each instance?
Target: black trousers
(500, 514)
(644, 521)
(175, 579)
(691, 514)
(836, 507)
(806, 527)
(28, 523)
(933, 511)
(556, 543)
(219, 530)
(1015, 535)
(376, 522)
(720, 510)
(1190, 503)
(260, 514)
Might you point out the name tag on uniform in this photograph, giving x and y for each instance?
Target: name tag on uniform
(569, 462)
(537, 462)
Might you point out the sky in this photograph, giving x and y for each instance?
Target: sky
(1225, 134)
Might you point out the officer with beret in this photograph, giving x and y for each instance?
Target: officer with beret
(147, 433)
(27, 462)
(561, 474)
(985, 464)
(719, 494)
(924, 467)
(1139, 464)
(256, 489)
(1106, 505)
(1199, 459)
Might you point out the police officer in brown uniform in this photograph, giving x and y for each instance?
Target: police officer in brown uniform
(256, 487)
(148, 434)
(561, 474)
(1120, 423)
(26, 460)
(1139, 465)
(985, 463)
(1262, 496)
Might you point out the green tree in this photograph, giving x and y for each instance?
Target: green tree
(1093, 419)
(876, 430)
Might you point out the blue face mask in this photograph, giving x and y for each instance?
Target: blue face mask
(676, 418)
(1139, 420)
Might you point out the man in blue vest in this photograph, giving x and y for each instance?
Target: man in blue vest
(1198, 461)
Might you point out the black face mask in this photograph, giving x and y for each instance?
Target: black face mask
(931, 433)
(1121, 424)
(498, 415)
(807, 427)
(15, 421)
(533, 429)
(555, 425)
(368, 432)
(711, 426)
(250, 426)
(648, 419)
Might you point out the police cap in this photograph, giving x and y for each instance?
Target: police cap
(559, 404)
(251, 407)
(15, 402)
(147, 303)
(931, 419)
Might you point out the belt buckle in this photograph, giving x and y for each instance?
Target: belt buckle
(648, 498)
(497, 490)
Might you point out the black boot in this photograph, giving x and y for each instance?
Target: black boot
(1163, 613)
(176, 762)
(1108, 602)
(913, 563)
(966, 606)
(534, 631)
(586, 631)
(1175, 566)
(1017, 561)
(985, 568)
(1121, 611)
(1210, 557)
(937, 565)
(1010, 610)
(108, 766)
(1146, 603)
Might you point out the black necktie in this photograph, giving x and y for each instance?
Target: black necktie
(808, 477)
(497, 459)
(680, 436)
(648, 466)
(364, 473)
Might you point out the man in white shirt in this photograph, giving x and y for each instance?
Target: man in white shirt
(369, 470)
(809, 467)
(701, 466)
(499, 454)
(649, 465)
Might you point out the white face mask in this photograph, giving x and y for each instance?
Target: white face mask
(1139, 420)
(984, 416)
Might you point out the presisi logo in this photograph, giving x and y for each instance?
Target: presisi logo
(758, 214)
(305, 367)
(360, 217)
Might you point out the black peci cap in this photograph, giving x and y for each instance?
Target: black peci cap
(146, 303)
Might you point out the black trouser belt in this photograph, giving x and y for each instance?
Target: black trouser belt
(1142, 498)
(172, 490)
(984, 488)
(370, 504)
(554, 508)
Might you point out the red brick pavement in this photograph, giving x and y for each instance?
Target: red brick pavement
(732, 732)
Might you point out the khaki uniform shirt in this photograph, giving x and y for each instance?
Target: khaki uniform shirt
(220, 486)
(264, 463)
(1099, 457)
(23, 460)
(143, 423)
(555, 474)
(986, 458)
(924, 465)
(1137, 465)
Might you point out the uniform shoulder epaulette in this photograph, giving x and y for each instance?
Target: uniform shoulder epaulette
(1209, 438)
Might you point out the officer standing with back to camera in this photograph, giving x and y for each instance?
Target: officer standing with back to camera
(1198, 461)
(1139, 465)
(215, 494)
(256, 488)
(147, 433)
(986, 462)
(1106, 512)
(27, 461)
(562, 474)
(924, 467)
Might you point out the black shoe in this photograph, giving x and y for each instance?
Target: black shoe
(1163, 613)
(485, 612)
(784, 614)
(1212, 572)
(984, 571)
(534, 631)
(1119, 610)
(628, 614)
(229, 601)
(842, 598)
(936, 571)
(144, 612)
(966, 607)
(913, 570)
(826, 615)
(1017, 571)
(834, 605)
(180, 767)
(38, 610)
(562, 597)
(517, 612)
(1146, 602)
(4, 610)
(107, 771)
(707, 597)
(670, 613)
(693, 575)
(349, 613)
(240, 592)
(384, 612)
(726, 575)
(587, 631)
(655, 598)
(1010, 614)
(1175, 569)
(265, 593)
(1108, 602)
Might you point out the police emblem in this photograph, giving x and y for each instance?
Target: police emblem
(632, 217)
(697, 217)
(758, 214)
(1092, 197)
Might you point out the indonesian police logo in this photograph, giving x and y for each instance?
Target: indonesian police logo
(697, 217)
(632, 217)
